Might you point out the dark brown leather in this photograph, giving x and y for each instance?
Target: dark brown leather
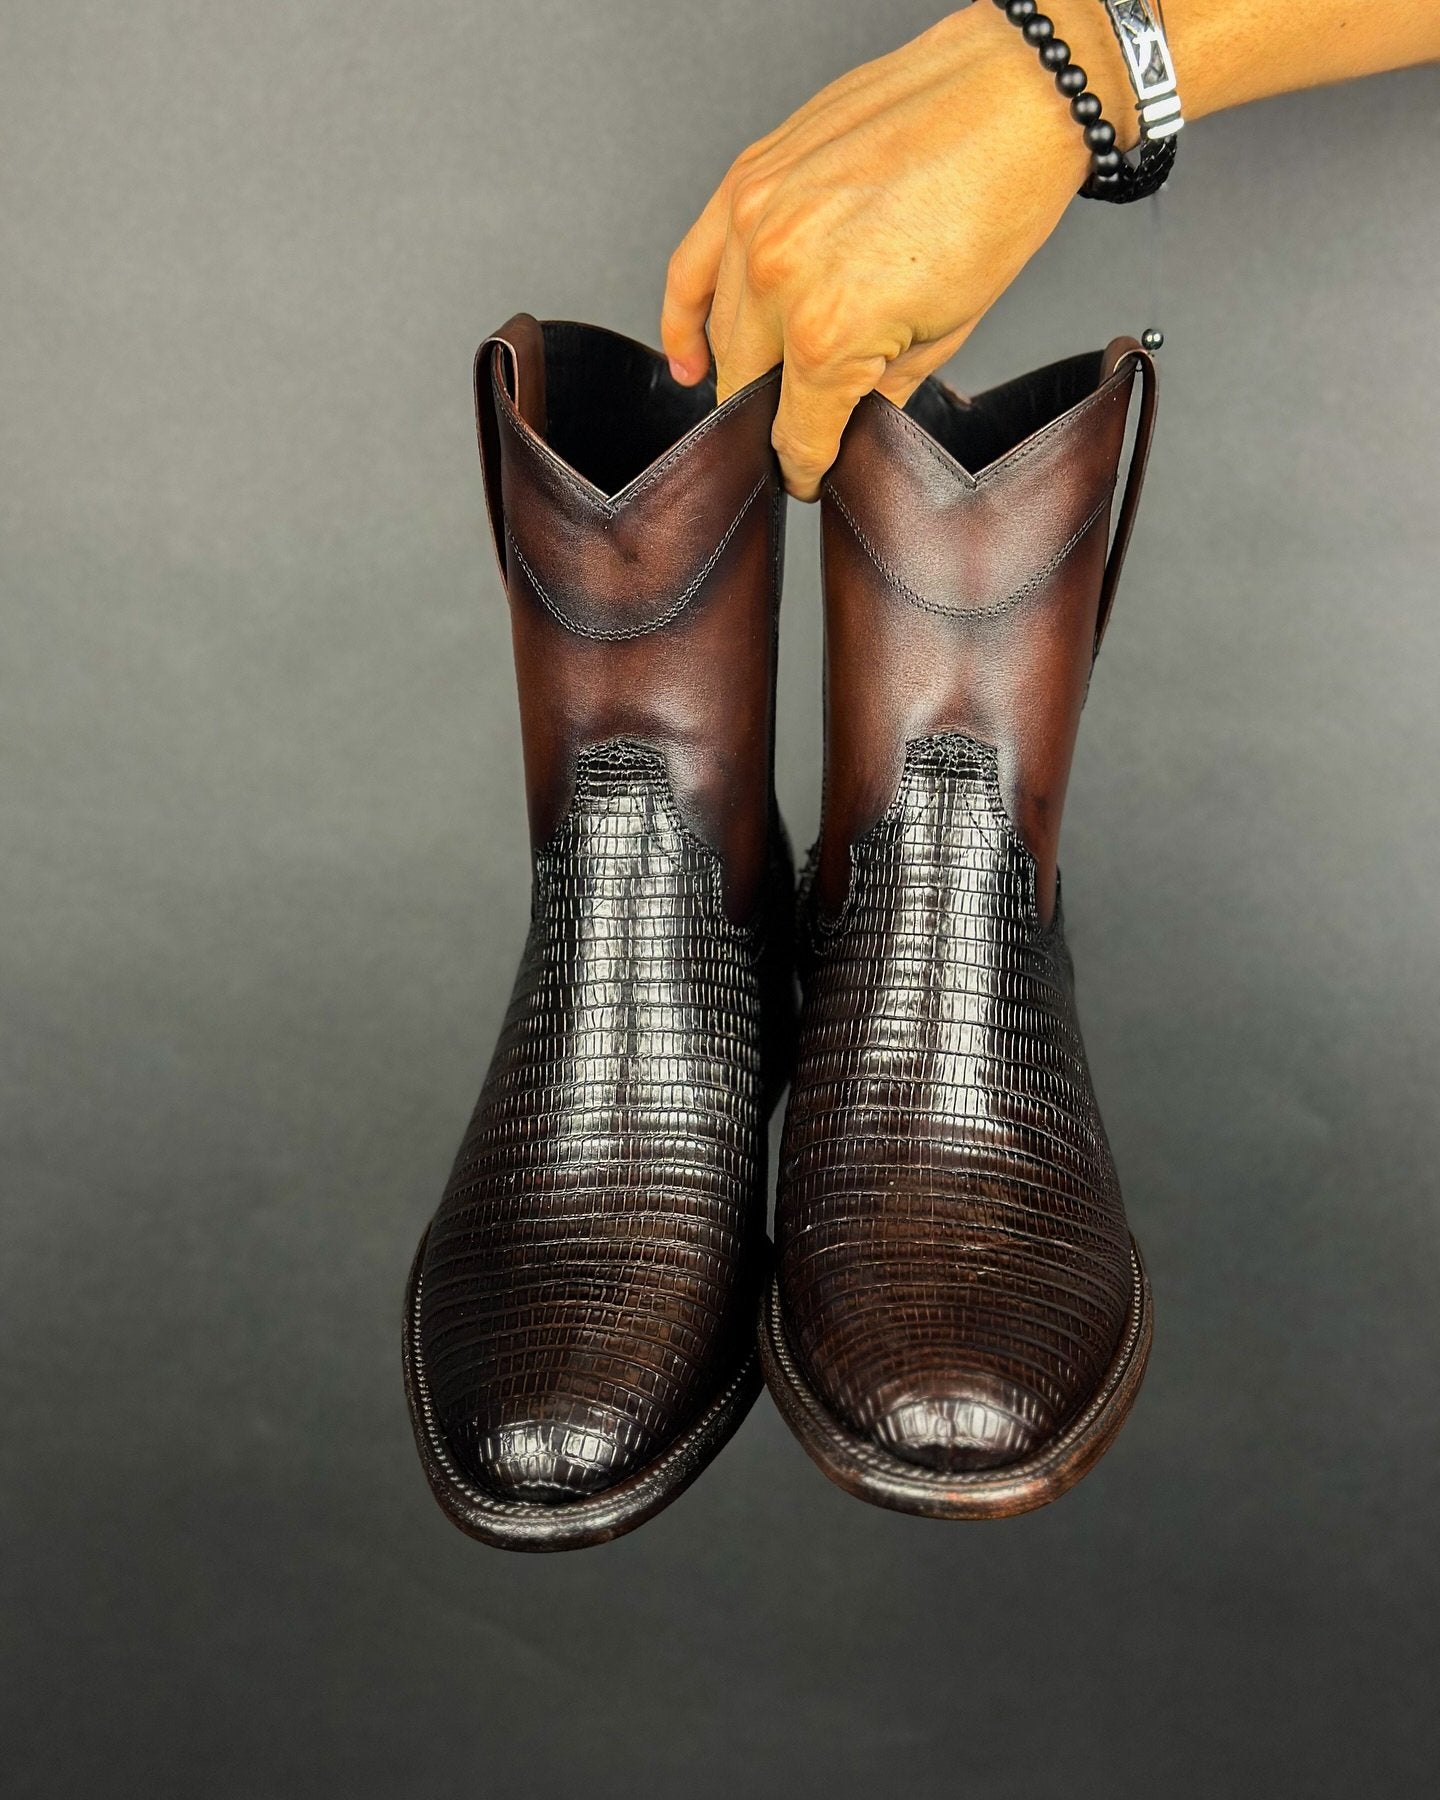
(588, 1285)
(637, 613)
(969, 601)
(955, 1269)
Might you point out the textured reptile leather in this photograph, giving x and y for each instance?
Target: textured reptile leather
(955, 1268)
(595, 1258)
(955, 1260)
(588, 1286)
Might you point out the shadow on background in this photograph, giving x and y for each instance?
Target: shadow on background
(265, 883)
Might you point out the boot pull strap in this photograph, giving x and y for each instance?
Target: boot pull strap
(1134, 481)
(499, 359)
(487, 431)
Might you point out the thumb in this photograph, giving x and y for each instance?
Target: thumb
(689, 289)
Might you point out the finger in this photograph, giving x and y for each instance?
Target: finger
(754, 346)
(817, 398)
(689, 289)
(725, 303)
(921, 360)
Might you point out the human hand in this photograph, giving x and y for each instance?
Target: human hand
(862, 240)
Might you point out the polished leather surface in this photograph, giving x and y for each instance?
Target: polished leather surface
(590, 1279)
(954, 1263)
(968, 601)
(642, 608)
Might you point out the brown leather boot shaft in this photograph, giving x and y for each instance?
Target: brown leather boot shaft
(969, 602)
(647, 612)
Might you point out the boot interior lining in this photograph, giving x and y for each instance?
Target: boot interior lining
(978, 431)
(612, 406)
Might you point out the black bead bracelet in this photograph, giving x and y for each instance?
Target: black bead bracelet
(1111, 177)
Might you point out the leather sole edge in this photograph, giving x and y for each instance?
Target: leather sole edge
(859, 1466)
(576, 1524)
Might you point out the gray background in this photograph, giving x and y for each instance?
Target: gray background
(263, 884)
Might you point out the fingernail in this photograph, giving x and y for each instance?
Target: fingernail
(680, 370)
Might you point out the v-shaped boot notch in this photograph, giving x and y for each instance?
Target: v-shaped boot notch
(969, 601)
(633, 613)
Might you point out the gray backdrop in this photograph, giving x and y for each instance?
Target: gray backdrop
(264, 883)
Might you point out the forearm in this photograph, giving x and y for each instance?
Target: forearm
(1230, 51)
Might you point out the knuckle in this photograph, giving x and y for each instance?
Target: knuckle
(748, 199)
(784, 443)
(816, 337)
(769, 259)
(797, 453)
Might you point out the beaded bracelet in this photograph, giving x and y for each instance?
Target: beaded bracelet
(1111, 177)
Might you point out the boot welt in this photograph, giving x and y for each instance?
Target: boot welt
(575, 1524)
(859, 1466)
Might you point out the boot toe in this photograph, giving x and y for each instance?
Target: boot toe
(975, 1423)
(569, 1453)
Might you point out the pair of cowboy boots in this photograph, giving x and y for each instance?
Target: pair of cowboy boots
(955, 1320)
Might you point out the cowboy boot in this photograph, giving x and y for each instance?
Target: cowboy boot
(580, 1326)
(960, 1320)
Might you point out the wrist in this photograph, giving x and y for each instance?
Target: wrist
(1150, 77)
(1085, 26)
(1036, 116)
(1197, 32)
